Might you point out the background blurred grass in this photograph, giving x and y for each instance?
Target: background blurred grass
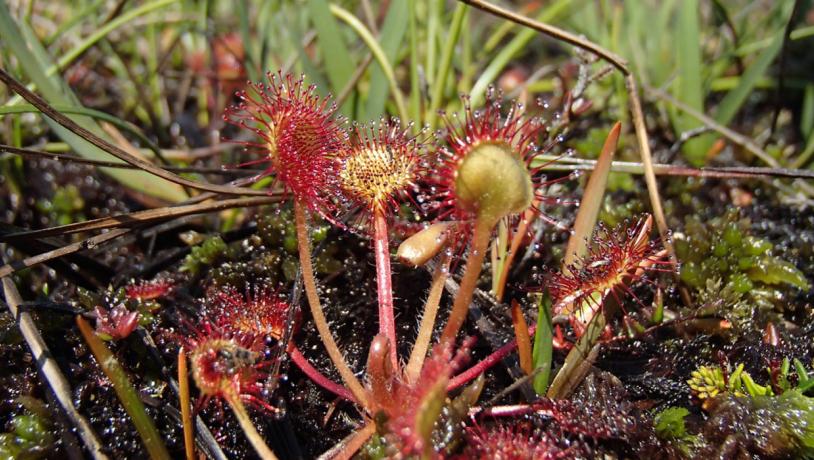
(170, 67)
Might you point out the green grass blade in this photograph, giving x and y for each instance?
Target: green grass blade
(127, 394)
(391, 37)
(807, 111)
(378, 53)
(689, 78)
(339, 64)
(541, 354)
(512, 49)
(440, 81)
(34, 60)
(415, 84)
(734, 100)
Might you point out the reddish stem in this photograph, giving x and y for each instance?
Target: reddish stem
(481, 367)
(469, 281)
(381, 247)
(318, 377)
(321, 323)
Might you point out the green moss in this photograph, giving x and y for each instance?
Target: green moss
(204, 254)
(669, 423)
(29, 437)
(734, 270)
(766, 426)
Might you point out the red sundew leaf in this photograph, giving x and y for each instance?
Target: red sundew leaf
(148, 290)
(381, 164)
(299, 137)
(616, 259)
(116, 323)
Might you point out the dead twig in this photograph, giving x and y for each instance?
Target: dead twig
(49, 369)
(43, 106)
(31, 153)
(89, 243)
(142, 217)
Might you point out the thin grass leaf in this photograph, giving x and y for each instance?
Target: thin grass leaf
(439, 83)
(415, 84)
(339, 65)
(689, 88)
(69, 24)
(377, 52)
(592, 200)
(578, 361)
(543, 350)
(127, 394)
(32, 58)
(735, 99)
(807, 111)
(391, 37)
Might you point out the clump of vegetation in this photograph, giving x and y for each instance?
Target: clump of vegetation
(735, 273)
(30, 434)
(204, 254)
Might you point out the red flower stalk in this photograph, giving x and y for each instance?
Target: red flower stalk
(116, 323)
(259, 310)
(615, 260)
(381, 164)
(299, 136)
(148, 290)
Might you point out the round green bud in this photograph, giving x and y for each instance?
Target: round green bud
(492, 181)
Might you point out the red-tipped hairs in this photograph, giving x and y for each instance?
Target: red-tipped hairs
(299, 134)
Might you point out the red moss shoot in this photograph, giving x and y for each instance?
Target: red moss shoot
(116, 323)
(148, 290)
(259, 310)
(615, 260)
(299, 136)
(380, 165)
(490, 168)
(228, 365)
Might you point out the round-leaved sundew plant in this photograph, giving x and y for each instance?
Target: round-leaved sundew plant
(300, 136)
(616, 259)
(259, 310)
(488, 172)
(381, 163)
(229, 365)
